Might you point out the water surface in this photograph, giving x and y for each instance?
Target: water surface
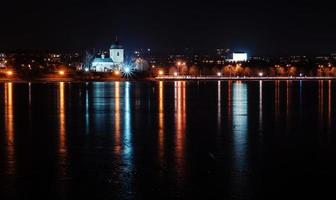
(167, 140)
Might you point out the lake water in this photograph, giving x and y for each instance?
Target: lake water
(168, 140)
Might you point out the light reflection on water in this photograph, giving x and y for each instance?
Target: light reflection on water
(161, 120)
(229, 103)
(329, 105)
(260, 105)
(118, 151)
(127, 137)
(320, 103)
(277, 103)
(219, 107)
(240, 125)
(9, 128)
(117, 118)
(62, 149)
(180, 127)
(87, 111)
(289, 85)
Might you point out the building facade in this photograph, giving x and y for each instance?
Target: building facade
(114, 61)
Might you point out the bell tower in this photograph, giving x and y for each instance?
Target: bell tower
(117, 52)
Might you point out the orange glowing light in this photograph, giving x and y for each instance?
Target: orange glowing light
(61, 72)
(9, 73)
(117, 72)
(160, 72)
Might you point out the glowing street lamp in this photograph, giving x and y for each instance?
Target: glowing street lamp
(261, 74)
(116, 72)
(160, 72)
(61, 72)
(219, 74)
(9, 73)
(175, 74)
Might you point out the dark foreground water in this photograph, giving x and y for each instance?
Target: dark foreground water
(168, 140)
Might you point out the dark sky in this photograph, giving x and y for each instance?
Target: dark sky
(259, 27)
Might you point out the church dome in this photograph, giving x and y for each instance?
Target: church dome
(116, 45)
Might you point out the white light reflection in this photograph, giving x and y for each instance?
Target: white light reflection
(229, 102)
(87, 113)
(29, 86)
(127, 143)
(219, 99)
(260, 105)
(240, 125)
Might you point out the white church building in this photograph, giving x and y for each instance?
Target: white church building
(113, 62)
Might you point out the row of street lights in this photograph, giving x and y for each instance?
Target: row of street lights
(161, 72)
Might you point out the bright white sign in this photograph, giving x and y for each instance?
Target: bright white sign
(239, 57)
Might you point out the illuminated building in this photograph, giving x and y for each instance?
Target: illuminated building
(239, 57)
(111, 63)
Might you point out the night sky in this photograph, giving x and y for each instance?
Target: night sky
(258, 27)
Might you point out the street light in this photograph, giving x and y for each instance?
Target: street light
(9, 73)
(175, 73)
(160, 72)
(61, 72)
(116, 72)
(219, 74)
(261, 74)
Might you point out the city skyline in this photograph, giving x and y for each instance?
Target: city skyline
(168, 100)
(258, 27)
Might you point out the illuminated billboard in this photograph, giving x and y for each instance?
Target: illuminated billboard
(239, 57)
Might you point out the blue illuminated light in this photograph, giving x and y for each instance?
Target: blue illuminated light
(127, 139)
(127, 70)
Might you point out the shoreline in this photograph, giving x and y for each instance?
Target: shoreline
(52, 80)
(254, 78)
(166, 78)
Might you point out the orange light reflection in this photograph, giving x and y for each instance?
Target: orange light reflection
(9, 128)
(117, 117)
